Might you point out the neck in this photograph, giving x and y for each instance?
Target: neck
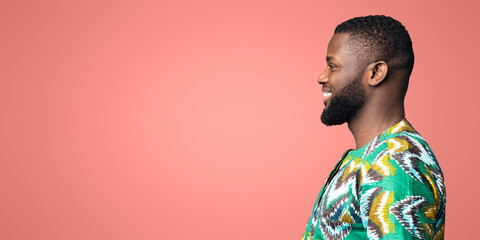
(370, 122)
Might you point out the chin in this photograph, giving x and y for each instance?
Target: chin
(331, 120)
(332, 123)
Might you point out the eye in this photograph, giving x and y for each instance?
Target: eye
(331, 67)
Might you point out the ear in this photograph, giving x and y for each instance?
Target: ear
(377, 72)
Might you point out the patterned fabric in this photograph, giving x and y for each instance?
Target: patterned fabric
(392, 188)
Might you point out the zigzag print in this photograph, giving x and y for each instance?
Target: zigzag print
(405, 211)
(403, 126)
(365, 202)
(367, 195)
(331, 225)
(383, 165)
(406, 152)
(379, 224)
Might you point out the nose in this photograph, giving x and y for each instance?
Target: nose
(323, 78)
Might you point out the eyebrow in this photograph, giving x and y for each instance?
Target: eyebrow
(329, 58)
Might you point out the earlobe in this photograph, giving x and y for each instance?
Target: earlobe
(378, 72)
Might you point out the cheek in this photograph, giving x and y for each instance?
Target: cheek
(339, 83)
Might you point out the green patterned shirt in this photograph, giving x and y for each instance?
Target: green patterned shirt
(391, 188)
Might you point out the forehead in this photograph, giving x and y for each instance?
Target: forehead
(338, 48)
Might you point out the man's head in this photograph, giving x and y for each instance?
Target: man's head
(369, 59)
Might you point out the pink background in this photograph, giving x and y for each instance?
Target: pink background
(200, 119)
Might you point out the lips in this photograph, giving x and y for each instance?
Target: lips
(326, 96)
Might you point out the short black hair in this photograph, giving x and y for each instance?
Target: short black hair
(379, 38)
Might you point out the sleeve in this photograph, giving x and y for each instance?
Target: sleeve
(399, 199)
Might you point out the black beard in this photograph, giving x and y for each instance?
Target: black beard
(345, 104)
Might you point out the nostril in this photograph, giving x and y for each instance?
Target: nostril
(322, 79)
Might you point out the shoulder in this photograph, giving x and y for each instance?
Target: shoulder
(403, 156)
(413, 158)
(405, 184)
(409, 147)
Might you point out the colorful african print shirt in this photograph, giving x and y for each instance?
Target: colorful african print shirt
(391, 188)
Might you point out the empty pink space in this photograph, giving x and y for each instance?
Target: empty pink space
(201, 119)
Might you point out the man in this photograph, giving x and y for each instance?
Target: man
(390, 186)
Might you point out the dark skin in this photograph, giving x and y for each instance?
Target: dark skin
(384, 103)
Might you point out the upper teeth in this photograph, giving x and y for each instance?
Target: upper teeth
(327, 94)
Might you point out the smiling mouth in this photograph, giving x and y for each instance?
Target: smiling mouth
(326, 97)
